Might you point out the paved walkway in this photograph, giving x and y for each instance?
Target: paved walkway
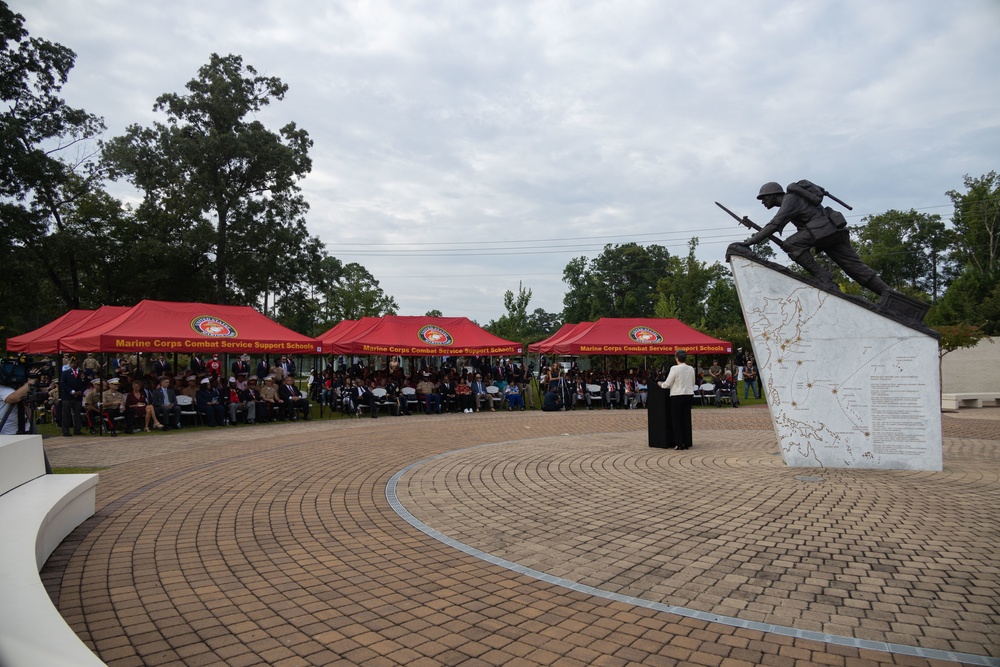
(278, 545)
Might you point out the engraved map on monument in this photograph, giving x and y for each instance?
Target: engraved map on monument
(831, 404)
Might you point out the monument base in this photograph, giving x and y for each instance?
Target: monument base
(848, 385)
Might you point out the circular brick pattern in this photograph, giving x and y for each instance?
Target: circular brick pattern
(277, 546)
(874, 555)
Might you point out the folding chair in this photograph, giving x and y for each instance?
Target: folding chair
(708, 393)
(382, 401)
(186, 404)
(496, 398)
(594, 390)
(410, 396)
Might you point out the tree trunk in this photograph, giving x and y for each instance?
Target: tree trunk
(221, 250)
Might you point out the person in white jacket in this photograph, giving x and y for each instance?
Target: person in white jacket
(680, 382)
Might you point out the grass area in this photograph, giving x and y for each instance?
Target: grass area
(75, 471)
(55, 430)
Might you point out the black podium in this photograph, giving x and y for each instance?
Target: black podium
(661, 429)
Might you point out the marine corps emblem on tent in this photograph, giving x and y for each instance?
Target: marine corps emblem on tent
(213, 326)
(434, 335)
(645, 335)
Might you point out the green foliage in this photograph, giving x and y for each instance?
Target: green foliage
(974, 297)
(541, 325)
(351, 293)
(959, 336)
(722, 307)
(956, 337)
(222, 218)
(977, 223)
(685, 289)
(45, 169)
(620, 282)
(224, 184)
(909, 250)
(433, 313)
(518, 324)
(514, 325)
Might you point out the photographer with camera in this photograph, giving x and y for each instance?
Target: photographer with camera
(11, 423)
(17, 390)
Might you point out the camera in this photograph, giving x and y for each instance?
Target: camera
(15, 371)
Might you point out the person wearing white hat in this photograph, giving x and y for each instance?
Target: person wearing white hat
(92, 405)
(112, 404)
(210, 404)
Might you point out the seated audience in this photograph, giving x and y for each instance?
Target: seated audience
(252, 395)
(210, 405)
(463, 395)
(269, 394)
(138, 410)
(293, 399)
(238, 401)
(513, 396)
(427, 393)
(165, 403)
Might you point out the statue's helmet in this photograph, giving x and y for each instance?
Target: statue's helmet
(771, 188)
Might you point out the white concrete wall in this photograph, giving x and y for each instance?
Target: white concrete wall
(972, 369)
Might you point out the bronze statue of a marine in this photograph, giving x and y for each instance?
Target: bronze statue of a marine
(817, 226)
(825, 229)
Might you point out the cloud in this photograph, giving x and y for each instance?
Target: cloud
(526, 130)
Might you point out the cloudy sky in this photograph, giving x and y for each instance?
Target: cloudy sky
(462, 147)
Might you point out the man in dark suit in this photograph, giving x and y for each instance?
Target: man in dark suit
(363, 396)
(164, 401)
(161, 367)
(293, 399)
(241, 366)
(263, 370)
(611, 391)
(197, 365)
(72, 383)
(287, 365)
(479, 394)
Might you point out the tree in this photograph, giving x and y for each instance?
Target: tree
(685, 289)
(956, 337)
(45, 165)
(909, 250)
(974, 297)
(353, 293)
(541, 325)
(620, 282)
(514, 325)
(210, 166)
(433, 313)
(722, 307)
(977, 223)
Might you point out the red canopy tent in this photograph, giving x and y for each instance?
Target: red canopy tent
(164, 326)
(565, 332)
(344, 329)
(422, 336)
(639, 336)
(335, 332)
(30, 341)
(51, 341)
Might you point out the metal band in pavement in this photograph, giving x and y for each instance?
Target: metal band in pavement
(901, 649)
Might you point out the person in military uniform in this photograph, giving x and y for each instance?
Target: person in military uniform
(817, 227)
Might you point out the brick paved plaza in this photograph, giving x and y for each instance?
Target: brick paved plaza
(288, 545)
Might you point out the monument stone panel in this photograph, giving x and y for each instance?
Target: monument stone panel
(847, 387)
